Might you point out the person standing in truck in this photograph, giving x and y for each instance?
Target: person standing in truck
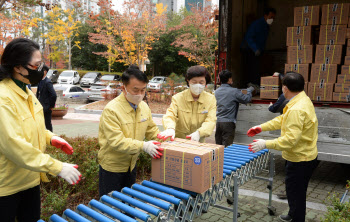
(253, 45)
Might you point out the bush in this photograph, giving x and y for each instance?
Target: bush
(58, 195)
(337, 211)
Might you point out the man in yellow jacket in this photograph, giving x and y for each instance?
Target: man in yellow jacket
(192, 113)
(125, 122)
(299, 134)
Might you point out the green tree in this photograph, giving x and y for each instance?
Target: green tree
(85, 59)
(164, 56)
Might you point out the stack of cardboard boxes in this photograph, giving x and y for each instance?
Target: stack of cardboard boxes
(329, 51)
(316, 50)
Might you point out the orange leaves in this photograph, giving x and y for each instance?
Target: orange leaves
(128, 34)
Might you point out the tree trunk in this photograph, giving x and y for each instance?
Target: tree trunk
(69, 53)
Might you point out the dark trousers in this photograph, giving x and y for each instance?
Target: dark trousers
(225, 133)
(110, 181)
(251, 66)
(47, 116)
(298, 175)
(24, 205)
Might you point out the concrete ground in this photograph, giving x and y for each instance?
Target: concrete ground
(327, 179)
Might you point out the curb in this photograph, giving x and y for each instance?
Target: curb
(87, 111)
(81, 109)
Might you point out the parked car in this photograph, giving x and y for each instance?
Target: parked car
(90, 78)
(52, 74)
(72, 91)
(110, 77)
(155, 84)
(100, 91)
(69, 77)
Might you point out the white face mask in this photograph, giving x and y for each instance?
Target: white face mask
(134, 99)
(197, 89)
(269, 21)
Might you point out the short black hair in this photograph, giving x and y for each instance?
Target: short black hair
(294, 81)
(18, 52)
(46, 68)
(225, 75)
(197, 71)
(133, 66)
(133, 73)
(268, 10)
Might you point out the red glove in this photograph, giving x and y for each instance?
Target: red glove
(61, 144)
(254, 130)
(158, 149)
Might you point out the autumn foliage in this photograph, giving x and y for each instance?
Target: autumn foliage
(128, 35)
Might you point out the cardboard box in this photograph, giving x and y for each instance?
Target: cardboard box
(307, 15)
(342, 87)
(303, 69)
(347, 33)
(300, 35)
(348, 43)
(349, 22)
(341, 97)
(300, 54)
(270, 87)
(189, 165)
(347, 60)
(343, 78)
(348, 51)
(328, 54)
(335, 14)
(324, 73)
(305, 87)
(332, 35)
(320, 92)
(345, 70)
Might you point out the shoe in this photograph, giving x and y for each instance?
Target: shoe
(285, 218)
(282, 196)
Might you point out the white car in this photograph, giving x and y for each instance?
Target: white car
(69, 77)
(72, 91)
(155, 84)
(102, 91)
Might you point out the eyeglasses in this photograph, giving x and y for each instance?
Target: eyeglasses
(39, 67)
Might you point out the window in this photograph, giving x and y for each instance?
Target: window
(73, 89)
(79, 89)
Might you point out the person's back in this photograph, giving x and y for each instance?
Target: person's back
(228, 99)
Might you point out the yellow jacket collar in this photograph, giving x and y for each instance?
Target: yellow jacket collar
(16, 88)
(189, 97)
(125, 103)
(295, 99)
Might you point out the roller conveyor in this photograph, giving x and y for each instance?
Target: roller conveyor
(151, 201)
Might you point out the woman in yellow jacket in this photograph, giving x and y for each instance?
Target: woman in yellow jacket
(24, 137)
(192, 113)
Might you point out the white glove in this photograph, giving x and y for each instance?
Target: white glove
(250, 88)
(276, 74)
(257, 145)
(194, 136)
(151, 147)
(166, 134)
(270, 104)
(70, 173)
(257, 52)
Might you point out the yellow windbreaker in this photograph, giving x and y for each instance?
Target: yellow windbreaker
(187, 116)
(23, 141)
(121, 134)
(299, 130)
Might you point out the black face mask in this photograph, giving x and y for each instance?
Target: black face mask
(34, 76)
